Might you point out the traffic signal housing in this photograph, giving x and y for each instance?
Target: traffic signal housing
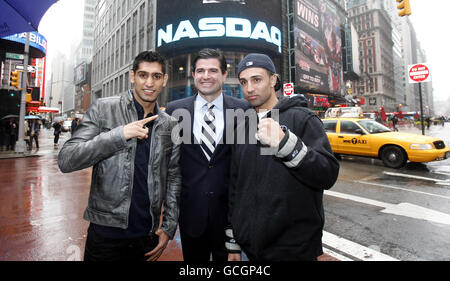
(15, 79)
(405, 8)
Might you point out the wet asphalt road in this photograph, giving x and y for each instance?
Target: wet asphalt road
(418, 195)
(41, 209)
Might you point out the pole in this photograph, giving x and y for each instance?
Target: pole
(20, 145)
(421, 109)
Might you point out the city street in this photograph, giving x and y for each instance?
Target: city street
(372, 213)
(404, 214)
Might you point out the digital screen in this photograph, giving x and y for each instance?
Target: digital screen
(241, 25)
(318, 47)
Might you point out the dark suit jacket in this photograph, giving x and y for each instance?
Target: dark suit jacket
(204, 192)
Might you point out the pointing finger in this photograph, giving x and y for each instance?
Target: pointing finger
(147, 120)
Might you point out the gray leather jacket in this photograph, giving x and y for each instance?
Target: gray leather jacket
(99, 142)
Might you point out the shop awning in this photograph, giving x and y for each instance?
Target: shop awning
(44, 109)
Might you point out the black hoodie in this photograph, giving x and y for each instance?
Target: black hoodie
(276, 210)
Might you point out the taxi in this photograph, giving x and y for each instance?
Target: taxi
(366, 137)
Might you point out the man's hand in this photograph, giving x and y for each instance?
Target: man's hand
(234, 257)
(159, 249)
(136, 129)
(270, 132)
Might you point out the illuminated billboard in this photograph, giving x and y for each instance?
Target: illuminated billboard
(318, 47)
(37, 40)
(80, 74)
(242, 25)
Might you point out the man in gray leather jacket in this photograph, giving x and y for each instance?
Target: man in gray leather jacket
(136, 175)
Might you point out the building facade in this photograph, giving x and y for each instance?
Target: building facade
(377, 83)
(83, 59)
(125, 28)
(122, 30)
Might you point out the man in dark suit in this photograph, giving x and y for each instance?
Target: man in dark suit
(205, 161)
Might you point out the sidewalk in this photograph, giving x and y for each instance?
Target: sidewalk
(45, 146)
(41, 209)
(436, 131)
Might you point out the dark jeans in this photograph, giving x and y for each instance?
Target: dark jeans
(35, 138)
(10, 142)
(56, 139)
(106, 249)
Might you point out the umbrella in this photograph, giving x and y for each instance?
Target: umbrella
(58, 119)
(17, 16)
(32, 117)
(10, 116)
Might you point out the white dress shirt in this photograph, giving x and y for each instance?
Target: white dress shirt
(200, 108)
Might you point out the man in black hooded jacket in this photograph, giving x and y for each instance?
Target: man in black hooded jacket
(275, 207)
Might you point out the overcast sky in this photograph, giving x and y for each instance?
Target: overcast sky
(430, 19)
(62, 26)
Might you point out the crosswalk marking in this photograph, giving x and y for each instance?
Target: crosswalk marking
(335, 255)
(353, 249)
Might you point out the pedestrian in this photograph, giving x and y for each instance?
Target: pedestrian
(11, 131)
(34, 133)
(57, 131)
(394, 122)
(127, 140)
(205, 162)
(26, 134)
(2, 135)
(74, 125)
(276, 205)
(428, 120)
(378, 117)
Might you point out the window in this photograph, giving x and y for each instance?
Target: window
(330, 126)
(348, 127)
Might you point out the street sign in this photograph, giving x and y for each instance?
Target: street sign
(419, 73)
(30, 68)
(14, 56)
(288, 89)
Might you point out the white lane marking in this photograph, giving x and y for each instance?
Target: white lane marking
(358, 199)
(438, 181)
(354, 249)
(404, 189)
(440, 173)
(335, 255)
(402, 209)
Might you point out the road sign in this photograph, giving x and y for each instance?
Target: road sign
(419, 73)
(30, 68)
(14, 56)
(288, 89)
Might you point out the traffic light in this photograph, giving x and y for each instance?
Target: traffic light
(28, 97)
(15, 79)
(405, 8)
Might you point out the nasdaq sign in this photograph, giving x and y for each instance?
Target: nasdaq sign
(243, 26)
(220, 27)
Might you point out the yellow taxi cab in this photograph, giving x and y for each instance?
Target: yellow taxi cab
(366, 137)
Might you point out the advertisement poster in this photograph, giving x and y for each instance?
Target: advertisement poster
(318, 47)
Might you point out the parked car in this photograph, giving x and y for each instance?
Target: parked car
(365, 137)
(67, 124)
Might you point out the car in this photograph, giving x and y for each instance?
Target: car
(368, 138)
(67, 124)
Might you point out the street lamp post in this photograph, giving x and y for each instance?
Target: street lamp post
(20, 145)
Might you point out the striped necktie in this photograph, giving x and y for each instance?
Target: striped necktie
(208, 135)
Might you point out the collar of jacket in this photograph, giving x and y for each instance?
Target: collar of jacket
(129, 99)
